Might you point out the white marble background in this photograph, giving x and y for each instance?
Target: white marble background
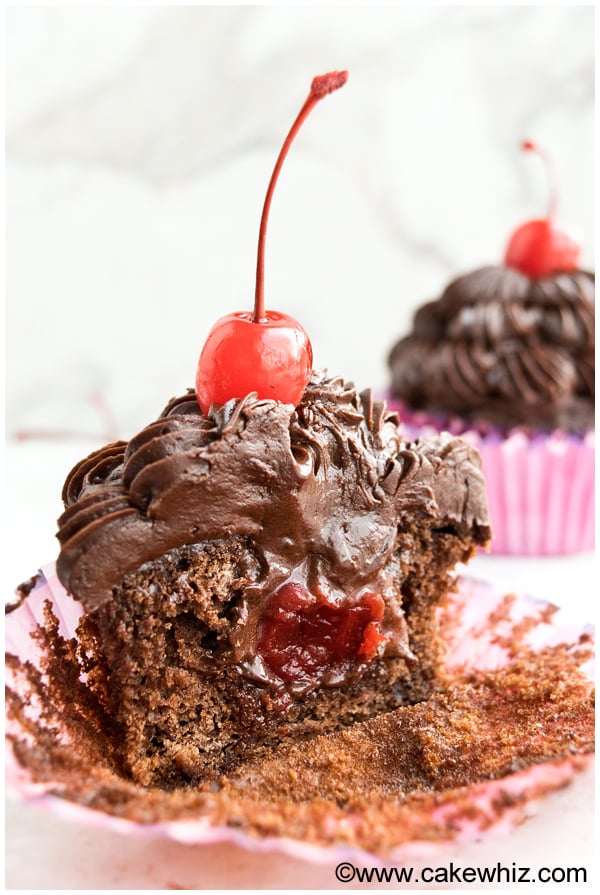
(140, 141)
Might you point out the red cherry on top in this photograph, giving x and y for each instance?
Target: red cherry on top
(272, 358)
(539, 247)
(262, 351)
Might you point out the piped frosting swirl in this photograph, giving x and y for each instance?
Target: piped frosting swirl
(323, 484)
(503, 347)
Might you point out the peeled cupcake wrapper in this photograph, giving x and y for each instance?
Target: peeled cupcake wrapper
(477, 634)
(540, 487)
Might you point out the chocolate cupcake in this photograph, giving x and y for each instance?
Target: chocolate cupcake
(506, 358)
(262, 574)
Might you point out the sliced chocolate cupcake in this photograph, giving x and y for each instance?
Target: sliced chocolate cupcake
(263, 573)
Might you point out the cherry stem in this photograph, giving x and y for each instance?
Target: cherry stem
(530, 146)
(321, 86)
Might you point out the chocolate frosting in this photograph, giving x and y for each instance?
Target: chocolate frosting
(318, 490)
(503, 347)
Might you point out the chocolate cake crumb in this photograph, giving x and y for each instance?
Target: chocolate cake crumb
(374, 785)
(21, 593)
(168, 678)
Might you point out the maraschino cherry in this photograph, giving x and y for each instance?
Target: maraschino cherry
(262, 351)
(539, 247)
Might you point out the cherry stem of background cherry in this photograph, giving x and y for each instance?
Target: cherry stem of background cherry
(320, 87)
(530, 146)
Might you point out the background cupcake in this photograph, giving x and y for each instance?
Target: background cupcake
(506, 358)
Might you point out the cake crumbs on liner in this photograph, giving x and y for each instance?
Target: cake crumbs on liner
(485, 743)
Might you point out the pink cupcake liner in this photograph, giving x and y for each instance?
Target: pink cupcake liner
(528, 786)
(478, 622)
(540, 487)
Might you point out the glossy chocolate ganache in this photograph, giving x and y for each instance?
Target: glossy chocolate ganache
(502, 347)
(318, 491)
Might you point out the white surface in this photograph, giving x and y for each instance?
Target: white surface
(45, 852)
(139, 144)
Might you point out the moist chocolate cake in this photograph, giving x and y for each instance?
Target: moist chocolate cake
(262, 574)
(510, 719)
(502, 347)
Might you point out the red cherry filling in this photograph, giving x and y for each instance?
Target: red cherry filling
(538, 248)
(262, 351)
(304, 637)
